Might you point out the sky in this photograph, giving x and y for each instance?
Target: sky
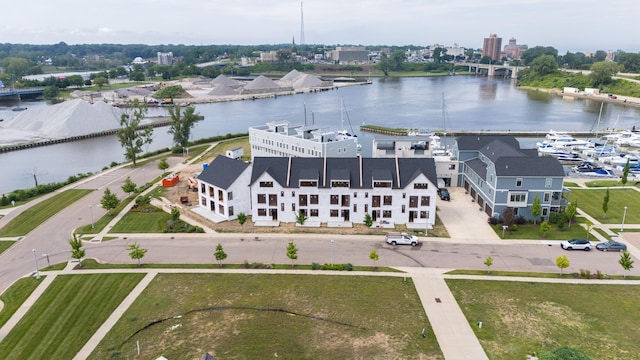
(567, 25)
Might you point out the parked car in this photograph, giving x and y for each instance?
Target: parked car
(576, 244)
(395, 238)
(444, 194)
(611, 246)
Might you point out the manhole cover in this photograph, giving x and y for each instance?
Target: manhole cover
(438, 300)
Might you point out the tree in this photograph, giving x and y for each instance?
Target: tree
(136, 252)
(373, 255)
(544, 65)
(368, 221)
(76, 249)
(508, 216)
(301, 218)
(563, 353)
(532, 53)
(571, 211)
(397, 60)
(100, 81)
(163, 164)
(488, 261)
(384, 64)
(626, 262)
(292, 252)
(605, 204)
(536, 208)
(625, 173)
(602, 72)
(242, 218)
(109, 200)
(130, 137)
(175, 214)
(562, 262)
(50, 92)
(544, 227)
(219, 254)
(181, 125)
(129, 186)
(75, 80)
(589, 225)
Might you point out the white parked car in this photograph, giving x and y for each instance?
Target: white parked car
(395, 238)
(576, 244)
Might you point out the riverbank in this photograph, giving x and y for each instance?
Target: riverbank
(616, 99)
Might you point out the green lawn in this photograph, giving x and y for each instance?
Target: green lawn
(532, 231)
(67, 315)
(525, 318)
(4, 245)
(323, 317)
(591, 200)
(99, 224)
(15, 295)
(41, 212)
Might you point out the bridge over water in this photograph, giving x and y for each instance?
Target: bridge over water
(495, 69)
(20, 93)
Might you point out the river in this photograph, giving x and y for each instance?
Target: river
(472, 103)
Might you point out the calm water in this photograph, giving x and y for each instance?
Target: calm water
(472, 103)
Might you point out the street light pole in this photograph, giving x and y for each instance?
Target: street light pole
(624, 214)
(36, 259)
(47, 256)
(332, 252)
(91, 212)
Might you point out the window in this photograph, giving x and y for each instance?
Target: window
(293, 194)
(375, 201)
(452, 166)
(386, 214)
(212, 192)
(333, 213)
(339, 184)
(366, 195)
(313, 212)
(220, 195)
(545, 211)
(302, 200)
(273, 200)
(307, 183)
(262, 212)
(220, 209)
(230, 195)
(424, 214)
(546, 197)
(334, 200)
(404, 195)
(403, 209)
(548, 182)
(519, 182)
(355, 195)
(212, 206)
(345, 200)
(281, 206)
(313, 199)
(203, 188)
(293, 207)
(203, 201)
(413, 201)
(518, 197)
(355, 208)
(387, 199)
(262, 199)
(420, 186)
(266, 183)
(425, 200)
(282, 193)
(382, 184)
(366, 207)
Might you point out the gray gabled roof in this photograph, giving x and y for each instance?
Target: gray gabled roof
(223, 171)
(478, 167)
(475, 142)
(544, 166)
(341, 169)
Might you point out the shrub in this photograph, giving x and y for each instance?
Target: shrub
(513, 227)
(556, 218)
(494, 220)
(315, 266)
(520, 220)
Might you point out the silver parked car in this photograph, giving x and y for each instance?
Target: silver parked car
(576, 244)
(611, 246)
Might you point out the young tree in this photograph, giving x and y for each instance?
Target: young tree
(130, 137)
(571, 211)
(292, 252)
(605, 204)
(544, 227)
(589, 225)
(181, 125)
(242, 218)
(562, 262)
(373, 255)
(76, 249)
(129, 186)
(301, 218)
(488, 261)
(175, 214)
(163, 164)
(109, 200)
(508, 216)
(536, 208)
(136, 252)
(219, 254)
(100, 81)
(368, 221)
(626, 262)
(625, 173)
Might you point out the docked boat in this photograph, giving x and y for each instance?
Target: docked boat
(568, 142)
(555, 135)
(18, 108)
(586, 167)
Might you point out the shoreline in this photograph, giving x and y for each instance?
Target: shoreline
(620, 100)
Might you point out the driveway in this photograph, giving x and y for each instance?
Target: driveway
(463, 220)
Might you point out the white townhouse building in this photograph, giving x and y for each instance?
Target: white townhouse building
(281, 138)
(340, 191)
(223, 189)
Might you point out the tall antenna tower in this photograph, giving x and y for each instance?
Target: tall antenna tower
(301, 24)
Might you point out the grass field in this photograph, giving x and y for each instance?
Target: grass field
(326, 317)
(532, 231)
(14, 296)
(524, 318)
(67, 315)
(32, 217)
(590, 201)
(4, 245)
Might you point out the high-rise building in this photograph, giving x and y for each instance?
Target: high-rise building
(491, 47)
(513, 50)
(165, 58)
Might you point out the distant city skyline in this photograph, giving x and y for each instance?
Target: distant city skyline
(567, 25)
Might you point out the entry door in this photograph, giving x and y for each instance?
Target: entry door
(345, 215)
(274, 214)
(412, 215)
(374, 215)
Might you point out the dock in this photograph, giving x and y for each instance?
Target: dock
(516, 133)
